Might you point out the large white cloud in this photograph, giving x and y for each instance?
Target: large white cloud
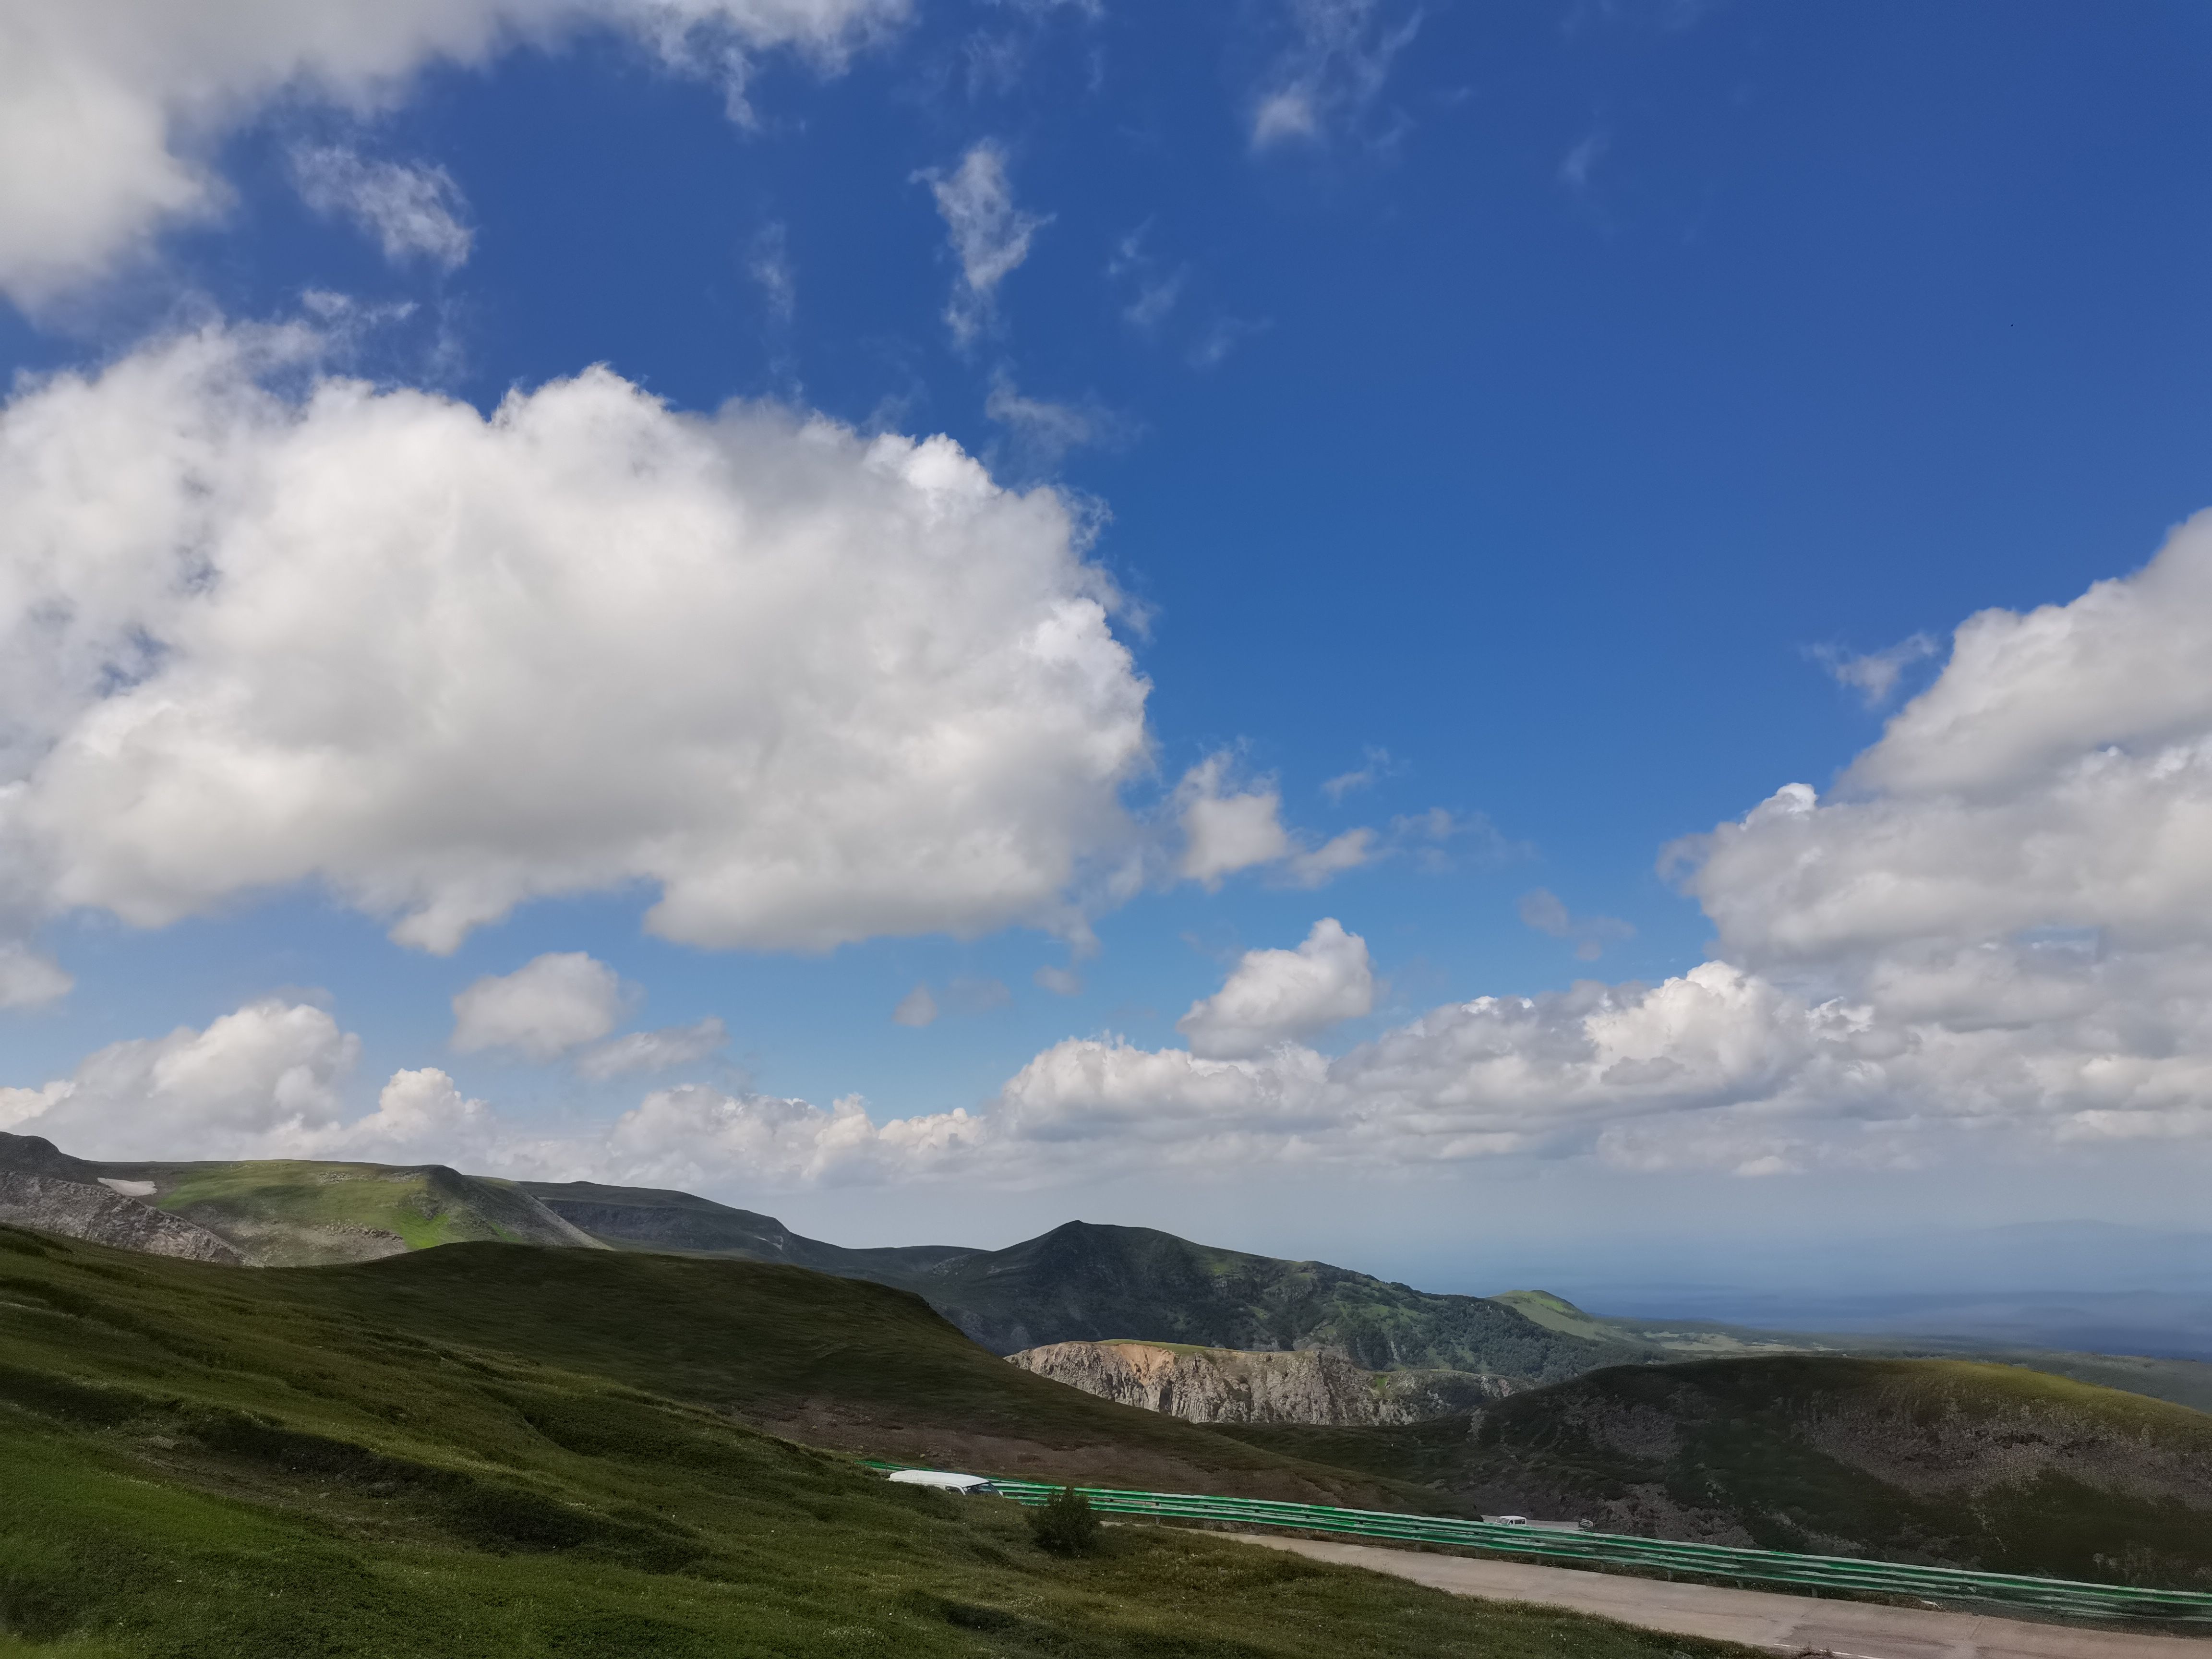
(552, 1004)
(109, 109)
(811, 686)
(1273, 996)
(269, 1075)
(2059, 774)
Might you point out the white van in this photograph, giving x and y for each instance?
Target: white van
(960, 1486)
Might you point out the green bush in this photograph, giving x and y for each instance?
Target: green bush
(1066, 1524)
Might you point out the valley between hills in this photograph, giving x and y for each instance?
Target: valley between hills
(491, 1417)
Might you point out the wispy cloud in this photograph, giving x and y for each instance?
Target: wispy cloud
(1061, 982)
(1043, 431)
(768, 261)
(921, 1005)
(1873, 675)
(1375, 764)
(990, 236)
(1543, 910)
(1153, 286)
(414, 212)
(1223, 336)
(1438, 839)
(1577, 165)
(1330, 74)
(654, 1051)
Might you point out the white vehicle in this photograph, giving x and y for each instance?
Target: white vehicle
(960, 1486)
(1507, 1520)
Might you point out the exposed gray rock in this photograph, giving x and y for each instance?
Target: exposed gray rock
(78, 1209)
(1228, 1385)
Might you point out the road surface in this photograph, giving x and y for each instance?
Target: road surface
(1758, 1619)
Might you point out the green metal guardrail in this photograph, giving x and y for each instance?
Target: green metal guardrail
(2060, 1596)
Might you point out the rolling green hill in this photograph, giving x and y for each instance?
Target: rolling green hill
(286, 1212)
(1078, 1283)
(490, 1451)
(1938, 1461)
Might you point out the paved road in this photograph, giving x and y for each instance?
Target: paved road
(1760, 1618)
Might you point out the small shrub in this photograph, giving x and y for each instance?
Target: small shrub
(1066, 1524)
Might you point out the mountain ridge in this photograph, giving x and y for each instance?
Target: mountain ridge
(1089, 1282)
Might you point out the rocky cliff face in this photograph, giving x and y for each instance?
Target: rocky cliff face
(1227, 1385)
(78, 1209)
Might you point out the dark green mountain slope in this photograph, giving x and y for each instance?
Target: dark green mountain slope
(1912, 1459)
(1082, 1282)
(290, 1212)
(202, 1461)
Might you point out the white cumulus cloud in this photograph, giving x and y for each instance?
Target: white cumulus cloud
(811, 686)
(1273, 996)
(548, 1005)
(111, 110)
(698, 1136)
(1227, 828)
(270, 1074)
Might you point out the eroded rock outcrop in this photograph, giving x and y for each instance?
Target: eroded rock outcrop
(77, 1209)
(1228, 1385)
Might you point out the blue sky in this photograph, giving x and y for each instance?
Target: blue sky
(1516, 431)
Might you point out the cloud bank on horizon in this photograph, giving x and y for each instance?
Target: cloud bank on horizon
(1996, 923)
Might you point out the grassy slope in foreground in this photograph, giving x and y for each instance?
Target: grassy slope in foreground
(1934, 1461)
(201, 1460)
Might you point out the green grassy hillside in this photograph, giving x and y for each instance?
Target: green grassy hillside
(453, 1454)
(296, 1212)
(1913, 1460)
